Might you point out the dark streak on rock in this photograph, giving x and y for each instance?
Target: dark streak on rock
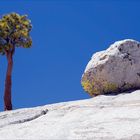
(43, 112)
(138, 74)
(120, 49)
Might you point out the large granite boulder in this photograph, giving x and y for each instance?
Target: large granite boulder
(114, 70)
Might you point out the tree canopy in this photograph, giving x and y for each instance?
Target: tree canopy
(14, 32)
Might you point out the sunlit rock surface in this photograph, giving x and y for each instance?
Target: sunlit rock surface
(114, 70)
(99, 118)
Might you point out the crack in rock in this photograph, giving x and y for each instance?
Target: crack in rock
(26, 119)
(43, 112)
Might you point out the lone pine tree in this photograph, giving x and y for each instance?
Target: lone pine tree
(14, 32)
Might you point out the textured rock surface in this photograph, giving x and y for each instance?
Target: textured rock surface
(114, 70)
(100, 118)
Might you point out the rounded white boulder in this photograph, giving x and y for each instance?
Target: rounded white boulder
(114, 70)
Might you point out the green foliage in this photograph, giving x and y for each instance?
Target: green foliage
(14, 32)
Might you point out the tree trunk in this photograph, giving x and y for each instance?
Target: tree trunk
(8, 82)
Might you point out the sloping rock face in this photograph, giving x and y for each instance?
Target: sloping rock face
(114, 70)
(100, 118)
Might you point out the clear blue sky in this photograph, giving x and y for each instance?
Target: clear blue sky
(65, 35)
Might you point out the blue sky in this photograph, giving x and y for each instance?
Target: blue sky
(65, 35)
